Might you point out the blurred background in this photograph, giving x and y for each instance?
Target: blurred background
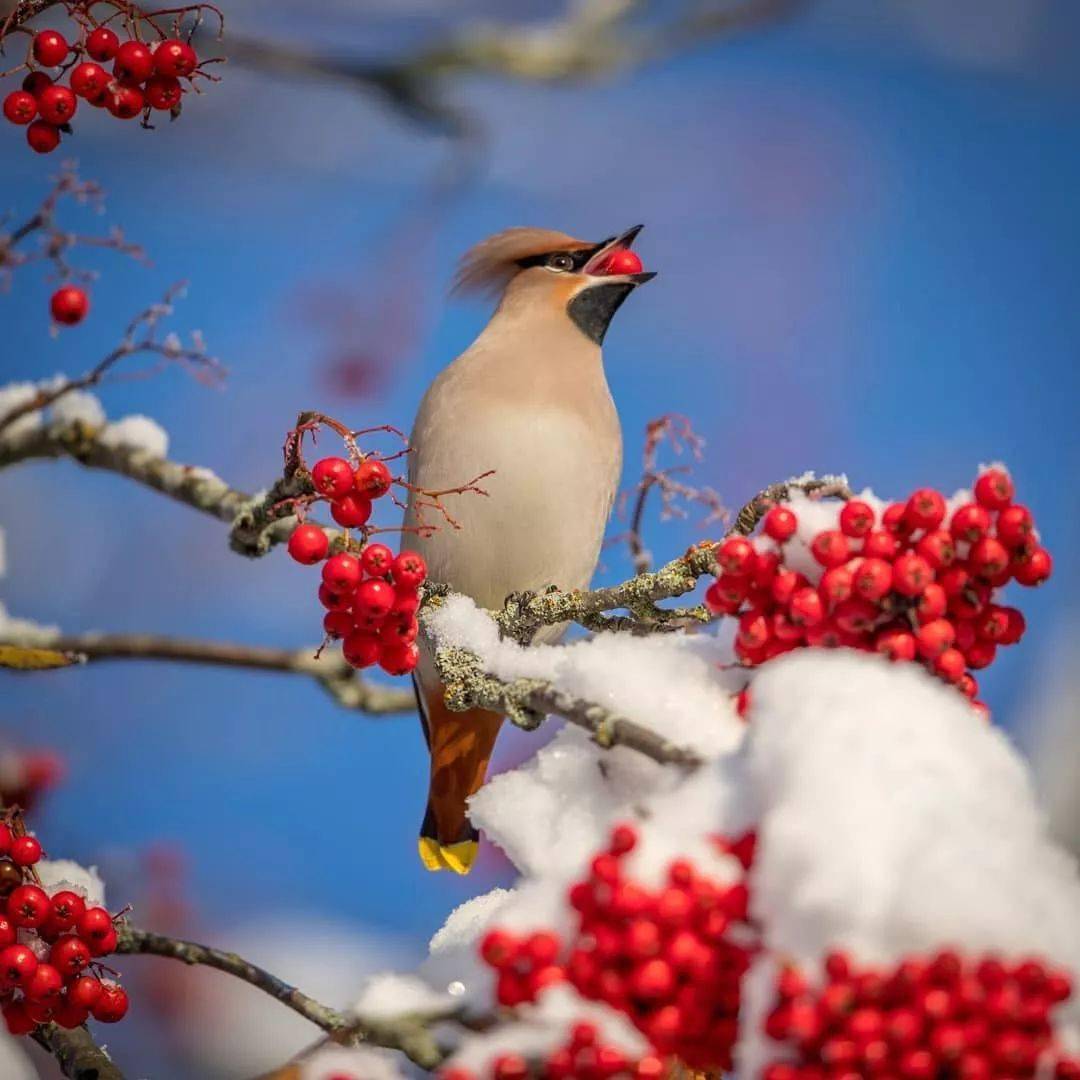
(867, 230)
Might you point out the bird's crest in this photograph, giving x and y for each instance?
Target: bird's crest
(487, 267)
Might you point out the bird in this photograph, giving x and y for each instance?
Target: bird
(529, 402)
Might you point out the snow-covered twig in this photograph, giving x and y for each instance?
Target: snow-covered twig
(336, 677)
(76, 1053)
(407, 1034)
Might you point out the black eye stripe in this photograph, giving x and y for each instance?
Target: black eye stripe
(578, 258)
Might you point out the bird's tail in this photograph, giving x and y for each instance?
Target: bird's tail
(460, 744)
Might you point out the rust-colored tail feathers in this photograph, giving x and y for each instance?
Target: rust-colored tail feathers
(460, 744)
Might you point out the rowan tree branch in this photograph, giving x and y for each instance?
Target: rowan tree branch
(330, 671)
(76, 1053)
(408, 1034)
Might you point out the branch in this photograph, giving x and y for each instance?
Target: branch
(527, 701)
(76, 1053)
(331, 672)
(407, 1034)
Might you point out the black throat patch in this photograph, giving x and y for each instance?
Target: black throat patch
(593, 309)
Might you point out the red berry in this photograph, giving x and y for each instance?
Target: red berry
(399, 659)
(994, 489)
(895, 520)
(837, 584)
(981, 654)
(341, 573)
(20, 107)
(830, 548)
(50, 48)
(333, 477)
(925, 509)
(542, 948)
(361, 649)
(1017, 625)
(992, 624)
(18, 1018)
(89, 80)
(620, 261)
(308, 544)
(780, 523)
(84, 991)
(17, 964)
(35, 82)
(69, 305)
(932, 604)
(125, 102)
(351, 511)
(333, 601)
(1036, 569)
(879, 544)
(406, 602)
(736, 556)
(753, 630)
(25, 850)
(856, 616)
(911, 574)
(934, 638)
(95, 924)
(45, 984)
(66, 908)
(937, 548)
(376, 559)
(652, 980)
(896, 644)
(399, 628)
(111, 1005)
(42, 138)
(970, 522)
(806, 608)
(408, 570)
(57, 105)
(856, 518)
(9, 932)
(374, 599)
(950, 664)
(134, 62)
(1015, 525)
(498, 948)
(163, 92)
(102, 43)
(105, 945)
(966, 684)
(988, 558)
(338, 624)
(175, 58)
(28, 905)
(373, 479)
(872, 578)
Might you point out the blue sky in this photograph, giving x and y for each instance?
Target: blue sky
(866, 231)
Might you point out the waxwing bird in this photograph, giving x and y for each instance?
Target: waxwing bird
(529, 400)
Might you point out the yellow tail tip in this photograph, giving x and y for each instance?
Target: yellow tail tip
(458, 857)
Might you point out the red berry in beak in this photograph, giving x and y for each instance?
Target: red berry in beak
(621, 261)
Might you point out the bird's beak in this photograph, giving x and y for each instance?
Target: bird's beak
(597, 264)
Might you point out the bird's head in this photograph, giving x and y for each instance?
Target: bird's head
(587, 282)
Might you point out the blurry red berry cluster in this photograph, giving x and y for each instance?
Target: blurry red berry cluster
(50, 946)
(917, 583)
(27, 775)
(948, 1016)
(143, 76)
(371, 595)
(665, 957)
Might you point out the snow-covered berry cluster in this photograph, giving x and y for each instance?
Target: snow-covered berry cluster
(584, 1055)
(670, 958)
(144, 76)
(51, 947)
(371, 595)
(947, 1016)
(914, 580)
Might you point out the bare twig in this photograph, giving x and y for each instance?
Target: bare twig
(407, 1034)
(331, 672)
(76, 1053)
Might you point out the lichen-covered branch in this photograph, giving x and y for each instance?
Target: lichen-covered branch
(408, 1034)
(76, 1053)
(330, 671)
(527, 701)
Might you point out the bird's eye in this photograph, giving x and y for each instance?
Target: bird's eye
(560, 261)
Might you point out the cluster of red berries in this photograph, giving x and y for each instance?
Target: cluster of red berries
(584, 1057)
(918, 584)
(50, 947)
(143, 77)
(372, 597)
(663, 957)
(940, 1017)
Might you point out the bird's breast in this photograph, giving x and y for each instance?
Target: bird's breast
(543, 519)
